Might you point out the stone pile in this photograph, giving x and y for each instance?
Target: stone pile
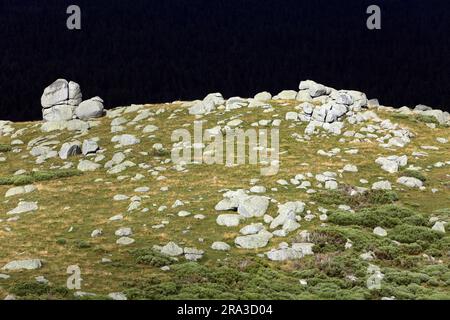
(62, 101)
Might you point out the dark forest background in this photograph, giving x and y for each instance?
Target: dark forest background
(144, 51)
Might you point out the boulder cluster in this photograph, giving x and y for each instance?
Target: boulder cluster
(62, 101)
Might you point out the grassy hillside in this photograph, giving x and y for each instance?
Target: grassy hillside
(413, 258)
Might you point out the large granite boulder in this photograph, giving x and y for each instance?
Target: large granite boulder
(62, 101)
(89, 109)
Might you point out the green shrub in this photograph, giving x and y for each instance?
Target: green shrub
(61, 241)
(38, 176)
(414, 174)
(82, 244)
(36, 289)
(344, 218)
(335, 197)
(386, 216)
(411, 248)
(57, 174)
(161, 153)
(22, 180)
(5, 148)
(426, 119)
(327, 241)
(381, 197)
(389, 252)
(406, 277)
(410, 234)
(368, 198)
(151, 257)
(415, 220)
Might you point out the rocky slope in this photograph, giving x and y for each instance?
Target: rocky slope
(357, 210)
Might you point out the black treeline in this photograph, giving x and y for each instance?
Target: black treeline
(145, 51)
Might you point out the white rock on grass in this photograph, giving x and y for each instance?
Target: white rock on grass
(410, 182)
(253, 206)
(126, 140)
(252, 228)
(284, 254)
(392, 163)
(123, 232)
(30, 264)
(231, 200)
(118, 296)
(89, 146)
(291, 116)
(253, 241)
(172, 249)
(19, 190)
(24, 207)
(331, 185)
(382, 185)
(184, 214)
(87, 165)
(150, 128)
(439, 226)
(258, 189)
(88, 109)
(305, 247)
(142, 189)
(350, 168)
(220, 246)
(120, 197)
(125, 241)
(263, 96)
(70, 149)
(229, 220)
(287, 211)
(379, 232)
(193, 254)
(96, 233)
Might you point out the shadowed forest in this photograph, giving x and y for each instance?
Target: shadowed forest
(158, 51)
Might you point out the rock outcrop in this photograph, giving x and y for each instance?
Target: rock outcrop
(62, 101)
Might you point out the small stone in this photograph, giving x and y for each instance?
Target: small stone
(380, 232)
(220, 246)
(172, 249)
(24, 207)
(119, 296)
(125, 241)
(228, 220)
(123, 232)
(96, 233)
(439, 227)
(30, 264)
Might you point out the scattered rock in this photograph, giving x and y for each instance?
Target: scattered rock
(30, 264)
(253, 241)
(410, 182)
(19, 190)
(24, 207)
(382, 185)
(89, 109)
(125, 241)
(70, 149)
(172, 249)
(380, 232)
(229, 220)
(220, 246)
